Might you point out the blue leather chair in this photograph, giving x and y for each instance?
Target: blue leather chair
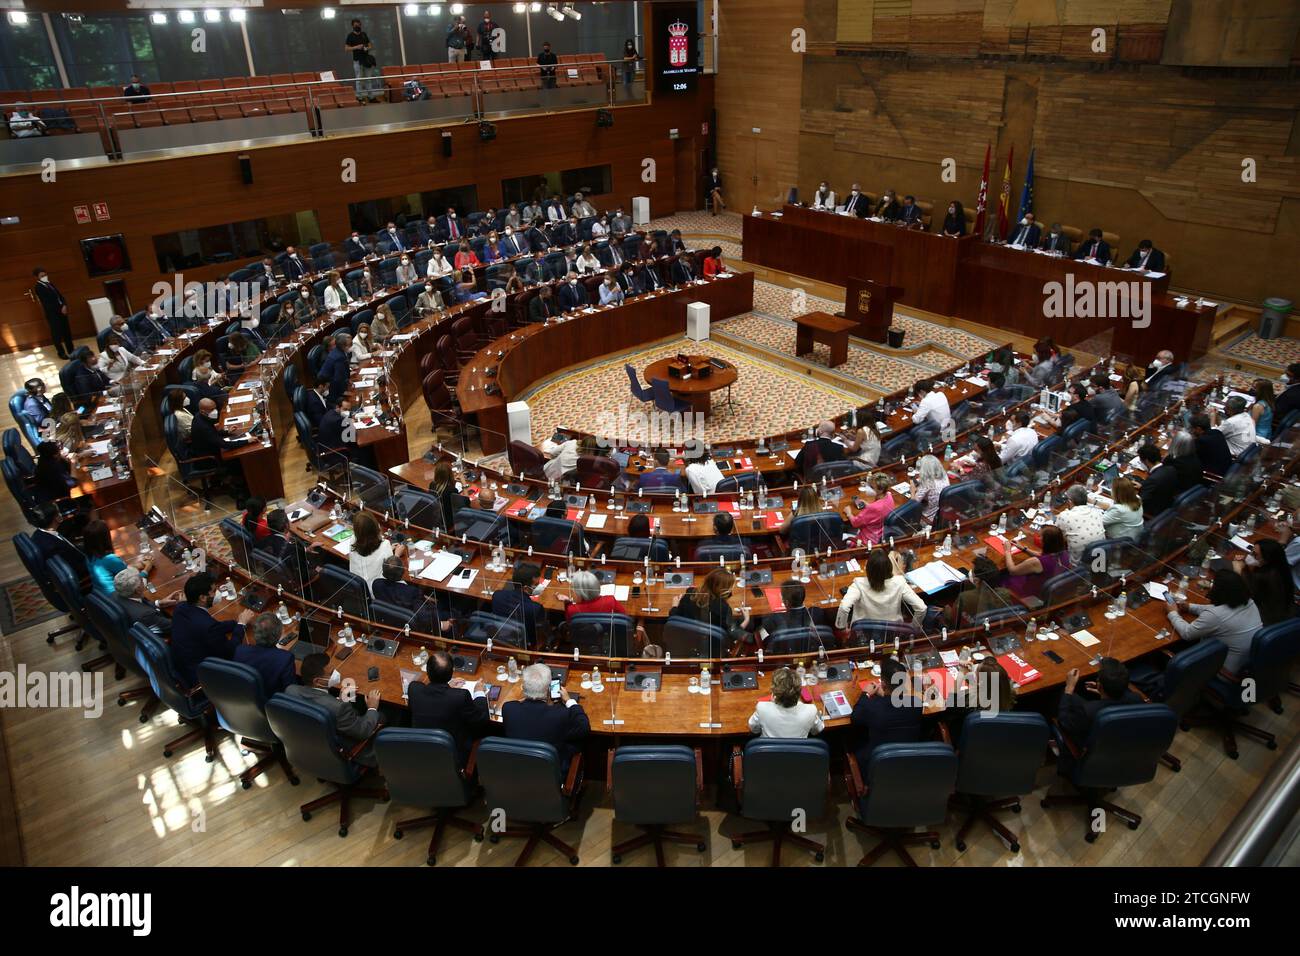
(998, 760)
(484, 626)
(1122, 750)
(1273, 651)
(959, 501)
(108, 619)
(904, 520)
(1183, 682)
(897, 448)
(601, 634)
(65, 581)
(28, 427)
(312, 744)
(240, 541)
(201, 468)
(338, 587)
(818, 532)
(524, 779)
(685, 638)
(799, 640)
(831, 470)
(745, 481)
(480, 525)
(31, 559)
(865, 630)
(711, 551)
(235, 692)
(636, 549)
(906, 786)
(664, 399)
(11, 442)
(558, 536)
(421, 508)
(291, 380)
(190, 704)
(1075, 431)
(422, 768)
(1041, 454)
(1063, 587)
(999, 615)
(371, 487)
(655, 786)
(774, 778)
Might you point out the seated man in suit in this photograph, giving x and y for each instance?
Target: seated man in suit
(196, 634)
(650, 278)
(303, 561)
(535, 236)
(793, 596)
(542, 306)
(1211, 447)
(128, 339)
(449, 227)
(533, 269)
(573, 294)
(1160, 369)
(1027, 234)
(515, 602)
(274, 665)
(888, 208)
(881, 716)
(428, 613)
(627, 279)
(661, 476)
(50, 542)
(821, 449)
(1288, 400)
(128, 587)
(855, 204)
(330, 440)
(683, 269)
(1094, 248)
(1147, 258)
(724, 531)
(88, 382)
(1077, 712)
(315, 402)
(910, 214)
(563, 724)
(444, 704)
(1056, 240)
(209, 441)
(355, 247)
(565, 232)
(351, 726)
(675, 243)
(294, 266)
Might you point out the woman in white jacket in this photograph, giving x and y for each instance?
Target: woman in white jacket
(880, 596)
(438, 264)
(336, 293)
(785, 715)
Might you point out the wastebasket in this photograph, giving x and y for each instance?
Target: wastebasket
(895, 337)
(1274, 317)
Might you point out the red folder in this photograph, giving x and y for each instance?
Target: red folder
(996, 545)
(571, 514)
(1018, 669)
(774, 601)
(943, 679)
(770, 520)
(519, 507)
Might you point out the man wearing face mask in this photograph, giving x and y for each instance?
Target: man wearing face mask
(335, 368)
(535, 236)
(1147, 258)
(509, 244)
(206, 439)
(856, 204)
(573, 294)
(683, 270)
(406, 272)
(910, 216)
(1094, 247)
(542, 306)
(330, 440)
(824, 198)
(314, 403)
(294, 267)
(130, 341)
(56, 312)
(1027, 233)
(546, 61)
(449, 229)
(196, 634)
(1057, 241)
(627, 280)
(429, 301)
(534, 271)
(395, 238)
(1161, 368)
(486, 28)
(267, 275)
(1288, 399)
(565, 233)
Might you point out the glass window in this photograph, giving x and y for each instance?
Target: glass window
(371, 215)
(106, 50)
(26, 60)
(590, 180)
(300, 40)
(235, 241)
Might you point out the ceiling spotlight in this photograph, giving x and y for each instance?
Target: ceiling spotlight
(17, 17)
(211, 16)
(571, 13)
(433, 9)
(237, 15)
(457, 9)
(535, 7)
(411, 9)
(185, 16)
(554, 13)
(521, 7)
(327, 13)
(158, 19)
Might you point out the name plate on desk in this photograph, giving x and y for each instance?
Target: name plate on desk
(100, 474)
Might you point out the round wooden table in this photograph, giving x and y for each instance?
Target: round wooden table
(696, 390)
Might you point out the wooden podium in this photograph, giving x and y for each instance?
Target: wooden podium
(871, 305)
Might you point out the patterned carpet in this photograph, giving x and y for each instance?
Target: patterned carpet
(1279, 352)
(22, 604)
(766, 398)
(701, 223)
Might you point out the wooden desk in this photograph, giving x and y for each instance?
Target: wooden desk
(698, 389)
(826, 330)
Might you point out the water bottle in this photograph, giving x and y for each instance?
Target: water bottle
(146, 545)
(801, 672)
(1032, 630)
(1121, 603)
(947, 544)
(947, 453)
(512, 671)
(1002, 523)
(345, 635)
(282, 614)
(706, 679)
(596, 685)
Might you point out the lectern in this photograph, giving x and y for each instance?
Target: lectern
(871, 305)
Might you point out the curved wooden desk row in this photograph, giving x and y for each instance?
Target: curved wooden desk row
(680, 529)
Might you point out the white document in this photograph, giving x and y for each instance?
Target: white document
(444, 562)
(1085, 638)
(461, 583)
(239, 399)
(597, 521)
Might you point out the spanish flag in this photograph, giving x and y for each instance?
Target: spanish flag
(1004, 200)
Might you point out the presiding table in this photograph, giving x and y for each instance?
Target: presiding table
(824, 329)
(695, 380)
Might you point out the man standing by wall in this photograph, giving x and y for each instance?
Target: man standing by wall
(364, 65)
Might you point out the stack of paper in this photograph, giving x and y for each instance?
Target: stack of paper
(444, 562)
(934, 577)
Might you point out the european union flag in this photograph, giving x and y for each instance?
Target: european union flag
(1027, 194)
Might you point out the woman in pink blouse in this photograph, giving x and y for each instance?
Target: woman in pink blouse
(870, 517)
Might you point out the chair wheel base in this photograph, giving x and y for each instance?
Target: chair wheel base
(494, 838)
(343, 831)
(208, 758)
(167, 754)
(121, 702)
(573, 860)
(397, 834)
(431, 860)
(1271, 745)
(700, 848)
(819, 856)
(294, 781)
(247, 784)
(306, 815)
(1132, 825)
(934, 844)
(1233, 755)
(616, 858)
(1015, 808)
(735, 845)
(478, 837)
(960, 845)
(1015, 848)
(1090, 837)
